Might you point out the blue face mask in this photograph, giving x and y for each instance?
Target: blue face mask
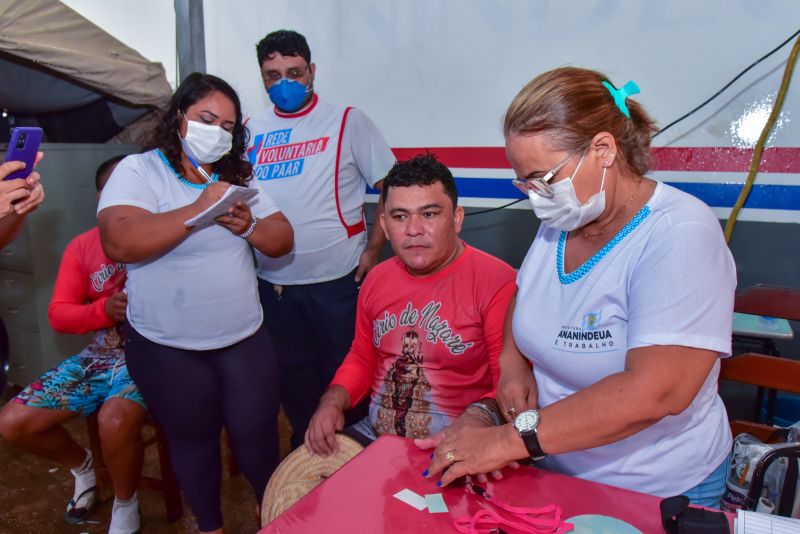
(288, 95)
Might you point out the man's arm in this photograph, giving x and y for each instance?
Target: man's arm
(351, 383)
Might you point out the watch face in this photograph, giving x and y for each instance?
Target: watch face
(527, 421)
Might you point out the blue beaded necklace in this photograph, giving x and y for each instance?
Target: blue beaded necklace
(165, 161)
(584, 269)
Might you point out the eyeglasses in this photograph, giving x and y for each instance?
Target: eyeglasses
(294, 73)
(541, 185)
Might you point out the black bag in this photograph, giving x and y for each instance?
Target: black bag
(679, 518)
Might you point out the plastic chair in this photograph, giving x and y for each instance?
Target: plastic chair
(167, 484)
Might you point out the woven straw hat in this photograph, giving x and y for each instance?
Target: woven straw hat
(299, 473)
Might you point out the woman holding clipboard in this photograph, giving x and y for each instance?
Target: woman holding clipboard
(195, 338)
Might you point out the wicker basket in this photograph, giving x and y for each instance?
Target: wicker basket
(301, 472)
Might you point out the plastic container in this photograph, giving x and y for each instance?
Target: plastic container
(787, 409)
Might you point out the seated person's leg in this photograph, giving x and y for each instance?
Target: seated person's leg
(120, 421)
(32, 421)
(362, 432)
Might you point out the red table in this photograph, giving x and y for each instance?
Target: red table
(358, 497)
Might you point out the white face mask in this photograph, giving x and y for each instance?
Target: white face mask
(205, 143)
(564, 211)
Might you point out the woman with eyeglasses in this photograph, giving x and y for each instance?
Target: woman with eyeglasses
(196, 344)
(623, 309)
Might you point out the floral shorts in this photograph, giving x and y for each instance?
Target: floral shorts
(81, 383)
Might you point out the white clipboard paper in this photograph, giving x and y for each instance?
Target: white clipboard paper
(232, 195)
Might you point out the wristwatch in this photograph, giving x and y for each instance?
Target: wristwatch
(526, 423)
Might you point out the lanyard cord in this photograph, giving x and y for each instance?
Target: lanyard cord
(529, 520)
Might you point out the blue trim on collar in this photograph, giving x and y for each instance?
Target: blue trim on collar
(165, 161)
(584, 269)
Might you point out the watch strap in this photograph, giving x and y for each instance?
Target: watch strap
(531, 441)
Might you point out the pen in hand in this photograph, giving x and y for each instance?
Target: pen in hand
(200, 169)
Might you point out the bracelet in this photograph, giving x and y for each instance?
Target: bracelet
(250, 229)
(488, 411)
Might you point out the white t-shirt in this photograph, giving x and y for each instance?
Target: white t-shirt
(202, 294)
(669, 281)
(294, 159)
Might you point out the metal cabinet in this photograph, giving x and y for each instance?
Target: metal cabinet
(28, 266)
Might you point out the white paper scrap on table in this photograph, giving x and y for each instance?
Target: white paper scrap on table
(757, 523)
(232, 195)
(411, 498)
(435, 503)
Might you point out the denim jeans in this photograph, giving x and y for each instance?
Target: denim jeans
(709, 492)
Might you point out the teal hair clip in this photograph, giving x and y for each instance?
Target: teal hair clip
(629, 89)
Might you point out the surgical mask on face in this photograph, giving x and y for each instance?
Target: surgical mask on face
(563, 211)
(205, 143)
(288, 95)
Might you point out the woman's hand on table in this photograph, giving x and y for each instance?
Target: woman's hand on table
(475, 450)
(472, 417)
(238, 218)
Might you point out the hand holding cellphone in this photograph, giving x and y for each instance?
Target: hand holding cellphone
(24, 146)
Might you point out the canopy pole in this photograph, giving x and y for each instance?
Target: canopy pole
(190, 35)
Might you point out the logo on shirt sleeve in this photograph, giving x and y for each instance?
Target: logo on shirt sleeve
(274, 156)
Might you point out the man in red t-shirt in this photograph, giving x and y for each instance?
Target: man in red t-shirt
(429, 324)
(88, 297)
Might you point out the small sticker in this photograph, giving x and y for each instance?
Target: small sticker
(435, 503)
(411, 498)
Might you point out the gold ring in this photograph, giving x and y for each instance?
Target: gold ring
(450, 457)
(511, 411)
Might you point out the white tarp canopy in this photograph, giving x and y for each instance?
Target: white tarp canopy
(55, 62)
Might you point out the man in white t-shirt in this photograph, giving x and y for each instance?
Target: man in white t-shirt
(315, 159)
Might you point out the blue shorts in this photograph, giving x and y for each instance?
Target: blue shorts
(709, 492)
(81, 384)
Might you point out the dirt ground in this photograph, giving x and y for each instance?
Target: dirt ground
(34, 495)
